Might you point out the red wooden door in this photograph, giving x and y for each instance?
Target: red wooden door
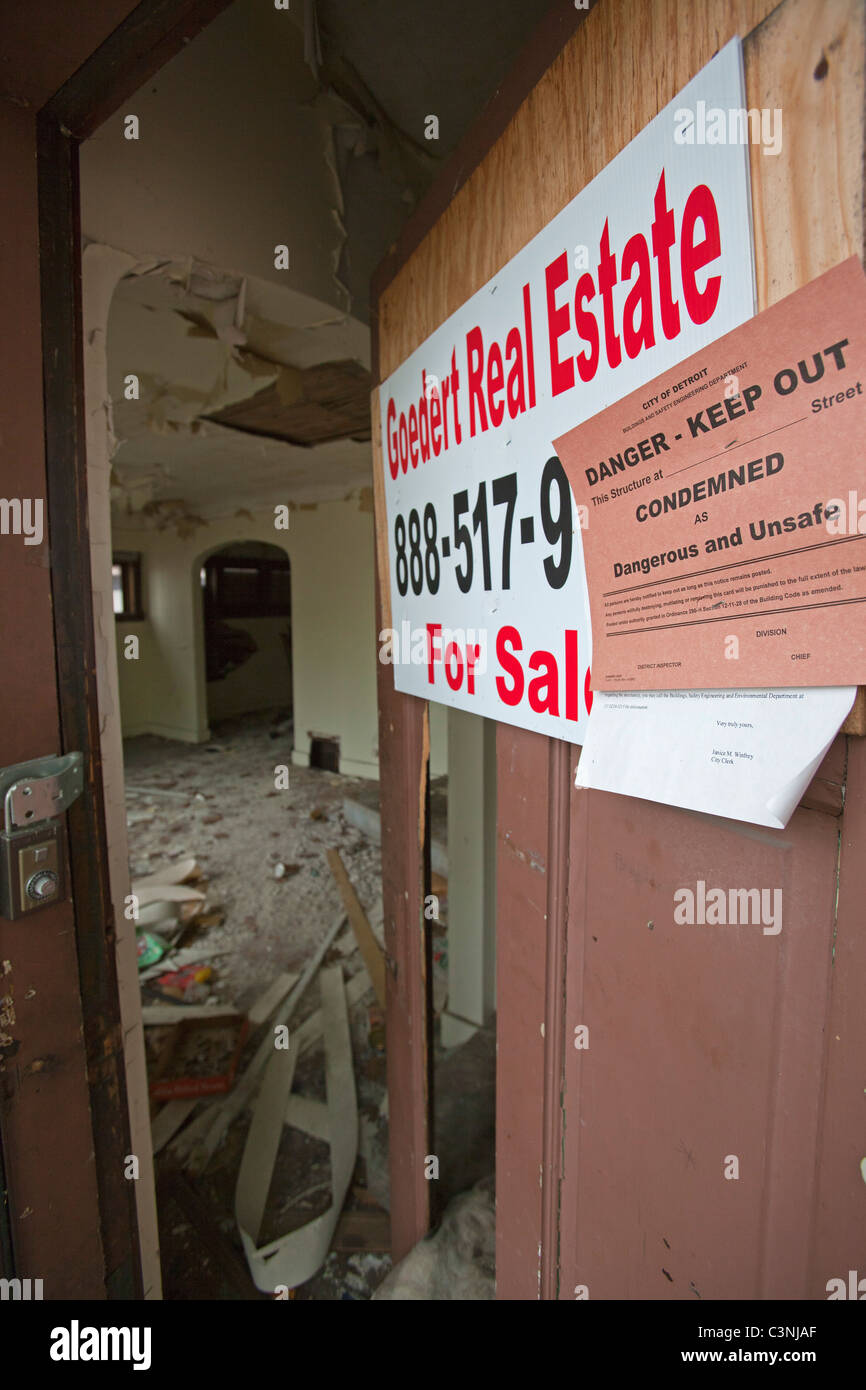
(69, 1212)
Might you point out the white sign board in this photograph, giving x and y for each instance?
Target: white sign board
(649, 263)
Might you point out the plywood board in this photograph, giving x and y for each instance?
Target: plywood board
(626, 61)
(369, 947)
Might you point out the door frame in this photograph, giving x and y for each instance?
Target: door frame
(404, 755)
(139, 47)
(151, 35)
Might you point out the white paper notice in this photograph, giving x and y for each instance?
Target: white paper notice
(745, 754)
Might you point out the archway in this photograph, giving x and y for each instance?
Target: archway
(245, 592)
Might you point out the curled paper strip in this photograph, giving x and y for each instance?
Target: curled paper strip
(295, 1257)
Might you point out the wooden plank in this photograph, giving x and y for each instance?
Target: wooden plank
(382, 569)
(173, 1186)
(404, 758)
(856, 721)
(263, 1141)
(403, 775)
(158, 1015)
(169, 1120)
(278, 989)
(826, 791)
(236, 1101)
(294, 1257)
(522, 843)
(363, 1230)
(367, 943)
(306, 1036)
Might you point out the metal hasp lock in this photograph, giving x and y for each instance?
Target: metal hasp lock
(34, 795)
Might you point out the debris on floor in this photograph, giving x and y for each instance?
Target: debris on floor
(371, 950)
(261, 897)
(195, 1057)
(256, 915)
(299, 1253)
(457, 1261)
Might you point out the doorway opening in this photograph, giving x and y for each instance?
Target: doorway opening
(228, 363)
(246, 598)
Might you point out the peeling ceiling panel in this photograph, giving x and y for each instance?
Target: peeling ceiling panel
(217, 470)
(252, 381)
(185, 350)
(329, 401)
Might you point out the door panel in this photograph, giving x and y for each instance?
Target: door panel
(836, 1221)
(704, 1048)
(63, 1117)
(521, 898)
(704, 1041)
(44, 1105)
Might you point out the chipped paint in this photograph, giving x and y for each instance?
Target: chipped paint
(174, 512)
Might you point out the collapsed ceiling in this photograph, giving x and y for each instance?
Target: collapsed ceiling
(276, 159)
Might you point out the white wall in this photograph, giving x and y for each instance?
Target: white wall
(471, 875)
(330, 547)
(228, 137)
(438, 739)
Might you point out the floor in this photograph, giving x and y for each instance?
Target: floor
(270, 899)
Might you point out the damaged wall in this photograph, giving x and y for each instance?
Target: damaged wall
(333, 629)
(264, 679)
(185, 345)
(227, 137)
(333, 633)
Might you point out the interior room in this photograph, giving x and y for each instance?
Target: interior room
(226, 267)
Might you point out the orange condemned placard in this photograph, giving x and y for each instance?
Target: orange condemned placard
(724, 528)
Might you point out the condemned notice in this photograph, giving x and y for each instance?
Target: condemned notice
(726, 537)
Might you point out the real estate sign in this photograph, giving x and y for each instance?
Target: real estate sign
(649, 264)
